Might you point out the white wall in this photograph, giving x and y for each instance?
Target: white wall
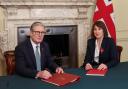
(121, 22)
(1, 19)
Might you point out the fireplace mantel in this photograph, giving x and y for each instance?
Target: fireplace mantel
(19, 13)
(53, 3)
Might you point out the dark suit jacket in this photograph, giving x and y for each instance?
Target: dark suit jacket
(107, 55)
(26, 62)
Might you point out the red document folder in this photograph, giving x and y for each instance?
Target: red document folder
(96, 72)
(62, 79)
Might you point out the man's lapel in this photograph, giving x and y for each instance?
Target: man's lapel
(31, 53)
(42, 53)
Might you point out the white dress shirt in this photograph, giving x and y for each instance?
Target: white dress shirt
(96, 56)
(34, 46)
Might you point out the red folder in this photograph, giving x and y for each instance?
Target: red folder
(62, 79)
(96, 72)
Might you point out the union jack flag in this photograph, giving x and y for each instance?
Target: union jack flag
(104, 12)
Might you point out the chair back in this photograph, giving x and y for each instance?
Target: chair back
(10, 61)
(119, 49)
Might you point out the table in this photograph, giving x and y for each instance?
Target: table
(116, 78)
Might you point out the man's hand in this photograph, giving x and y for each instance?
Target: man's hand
(88, 66)
(59, 70)
(44, 74)
(102, 67)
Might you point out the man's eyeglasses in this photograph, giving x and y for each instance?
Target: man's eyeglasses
(39, 33)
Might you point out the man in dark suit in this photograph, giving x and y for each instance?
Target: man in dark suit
(33, 58)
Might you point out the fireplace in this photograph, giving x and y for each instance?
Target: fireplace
(59, 47)
(52, 13)
(62, 41)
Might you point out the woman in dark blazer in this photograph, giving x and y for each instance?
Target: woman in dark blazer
(101, 49)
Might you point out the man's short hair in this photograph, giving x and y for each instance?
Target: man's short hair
(36, 24)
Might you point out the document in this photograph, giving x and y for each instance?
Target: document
(62, 79)
(96, 72)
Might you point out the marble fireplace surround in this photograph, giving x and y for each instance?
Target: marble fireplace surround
(50, 14)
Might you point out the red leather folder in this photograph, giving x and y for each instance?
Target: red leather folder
(96, 72)
(62, 79)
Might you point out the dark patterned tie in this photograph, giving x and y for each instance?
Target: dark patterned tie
(38, 61)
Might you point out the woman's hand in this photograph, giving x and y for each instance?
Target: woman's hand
(88, 66)
(102, 67)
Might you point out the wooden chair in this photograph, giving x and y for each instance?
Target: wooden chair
(119, 49)
(10, 61)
